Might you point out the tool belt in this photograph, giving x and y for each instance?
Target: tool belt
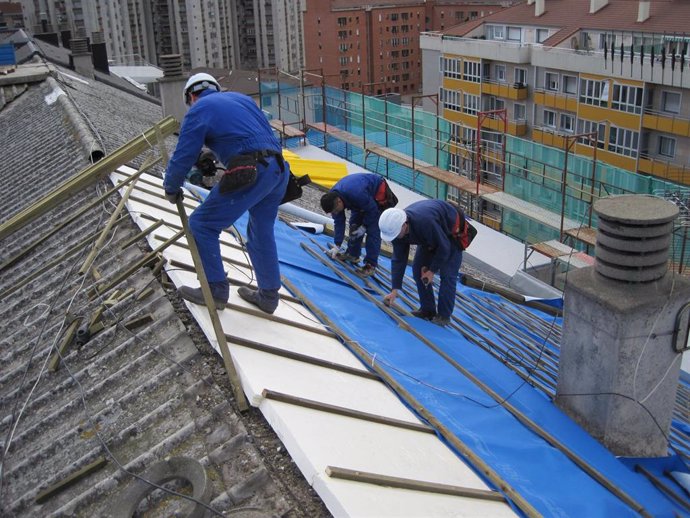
(463, 232)
(242, 172)
(384, 197)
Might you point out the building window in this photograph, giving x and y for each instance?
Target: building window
(567, 123)
(549, 118)
(471, 71)
(627, 98)
(551, 81)
(670, 102)
(342, 21)
(514, 34)
(450, 68)
(593, 92)
(495, 32)
(585, 126)
(623, 141)
(667, 147)
(542, 34)
(569, 84)
(519, 112)
(450, 99)
(521, 77)
(470, 104)
(500, 71)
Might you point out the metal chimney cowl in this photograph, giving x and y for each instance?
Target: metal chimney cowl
(618, 370)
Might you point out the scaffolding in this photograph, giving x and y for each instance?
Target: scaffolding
(530, 191)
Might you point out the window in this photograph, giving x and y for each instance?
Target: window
(667, 146)
(500, 72)
(567, 123)
(514, 34)
(542, 34)
(470, 104)
(450, 68)
(519, 112)
(471, 71)
(549, 118)
(521, 76)
(585, 126)
(627, 98)
(593, 92)
(670, 102)
(551, 81)
(450, 99)
(623, 141)
(494, 32)
(569, 84)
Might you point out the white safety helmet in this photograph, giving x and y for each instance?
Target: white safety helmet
(391, 223)
(197, 83)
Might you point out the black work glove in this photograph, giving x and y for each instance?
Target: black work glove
(173, 197)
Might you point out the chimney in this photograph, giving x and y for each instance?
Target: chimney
(81, 57)
(539, 7)
(530, 2)
(171, 86)
(65, 36)
(625, 327)
(99, 53)
(595, 5)
(643, 11)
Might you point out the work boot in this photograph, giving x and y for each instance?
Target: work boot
(347, 258)
(220, 291)
(367, 270)
(440, 320)
(265, 300)
(423, 314)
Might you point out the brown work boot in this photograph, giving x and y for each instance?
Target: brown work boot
(367, 270)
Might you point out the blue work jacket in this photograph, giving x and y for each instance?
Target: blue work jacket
(430, 224)
(228, 123)
(357, 191)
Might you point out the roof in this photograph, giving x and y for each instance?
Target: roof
(666, 16)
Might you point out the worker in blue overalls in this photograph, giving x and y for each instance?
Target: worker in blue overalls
(366, 196)
(431, 225)
(255, 179)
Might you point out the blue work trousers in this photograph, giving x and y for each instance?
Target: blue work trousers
(373, 234)
(449, 278)
(220, 211)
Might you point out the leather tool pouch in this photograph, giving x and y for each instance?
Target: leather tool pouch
(241, 173)
(293, 191)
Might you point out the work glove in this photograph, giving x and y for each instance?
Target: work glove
(357, 232)
(173, 197)
(333, 251)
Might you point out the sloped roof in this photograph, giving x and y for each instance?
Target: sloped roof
(666, 16)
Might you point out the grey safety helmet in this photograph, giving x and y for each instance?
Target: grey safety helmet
(197, 83)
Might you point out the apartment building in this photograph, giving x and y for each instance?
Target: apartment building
(374, 48)
(609, 77)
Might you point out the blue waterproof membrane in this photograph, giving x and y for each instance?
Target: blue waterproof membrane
(543, 475)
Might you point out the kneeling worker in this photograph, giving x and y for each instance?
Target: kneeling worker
(366, 195)
(432, 225)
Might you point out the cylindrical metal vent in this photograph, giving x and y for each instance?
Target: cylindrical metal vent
(634, 236)
(97, 37)
(79, 46)
(171, 65)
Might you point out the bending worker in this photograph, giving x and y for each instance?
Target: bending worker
(366, 195)
(238, 133)
(432, 226)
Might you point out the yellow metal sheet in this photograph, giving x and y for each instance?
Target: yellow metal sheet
(322, 172)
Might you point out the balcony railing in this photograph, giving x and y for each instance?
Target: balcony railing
(663, 169)
(514, 92)
(666, 122)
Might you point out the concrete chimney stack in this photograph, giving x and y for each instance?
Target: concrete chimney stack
(622, 342)
(595, 5)
(643, 11)
(81, 57)
(171, 86)
(539, 7)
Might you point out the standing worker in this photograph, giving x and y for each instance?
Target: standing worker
(255, 179)
(366, 195)
(435, 227)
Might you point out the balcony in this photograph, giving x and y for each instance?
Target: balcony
(666, 122)
(514, 92)
(662, 169)
(515, 128)
(555, 100)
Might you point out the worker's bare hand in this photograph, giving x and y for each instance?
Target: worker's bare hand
(389, 299)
